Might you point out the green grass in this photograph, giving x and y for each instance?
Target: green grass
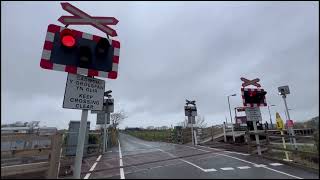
(299, 158)
(151, 135)
(305, 148)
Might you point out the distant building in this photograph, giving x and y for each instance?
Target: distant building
(25, 128)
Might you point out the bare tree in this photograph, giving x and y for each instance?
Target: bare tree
(181, 124)
(200, 122)
(117, 117)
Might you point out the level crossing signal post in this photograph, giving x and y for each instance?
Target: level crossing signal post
(253, 99)
(191, 112)
(109, 109)
(84, 56)
(103, 118)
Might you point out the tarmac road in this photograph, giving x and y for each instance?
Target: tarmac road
(139, 159)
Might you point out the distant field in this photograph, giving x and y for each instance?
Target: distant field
(151, 135)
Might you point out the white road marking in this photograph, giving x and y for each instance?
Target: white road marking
(230, 157)
(147, 169)
(87, 176)
(204, 170)
(92, 167)
(121, 163)
(259, 165)
(283, 173)
(227, 168)
(244, 154)
(210, 170)
(263, 167)
(276, 164)
(244, 167)
(99, 158)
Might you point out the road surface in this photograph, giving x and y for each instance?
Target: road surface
(136, 159)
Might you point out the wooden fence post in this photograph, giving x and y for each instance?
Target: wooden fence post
(54, 156)
(267, 139)
(211, 133)
(224, 132)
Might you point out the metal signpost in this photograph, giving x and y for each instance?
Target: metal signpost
(87, 94)
(77, 53)
(254, 115)
(103, 117)
(280, 126)
(105, 138)
(191, 112)
(283, 91)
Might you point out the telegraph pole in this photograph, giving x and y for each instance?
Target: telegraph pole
(234, 139)
(270, 116)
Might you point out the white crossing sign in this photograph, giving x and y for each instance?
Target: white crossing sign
(101, 118)
(253, 114)
(80, 17)
(83, 92)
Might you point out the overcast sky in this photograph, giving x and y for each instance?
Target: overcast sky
(170, 51)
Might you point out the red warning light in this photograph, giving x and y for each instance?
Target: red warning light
(68, 41)
(252, 93)
(67, 38)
